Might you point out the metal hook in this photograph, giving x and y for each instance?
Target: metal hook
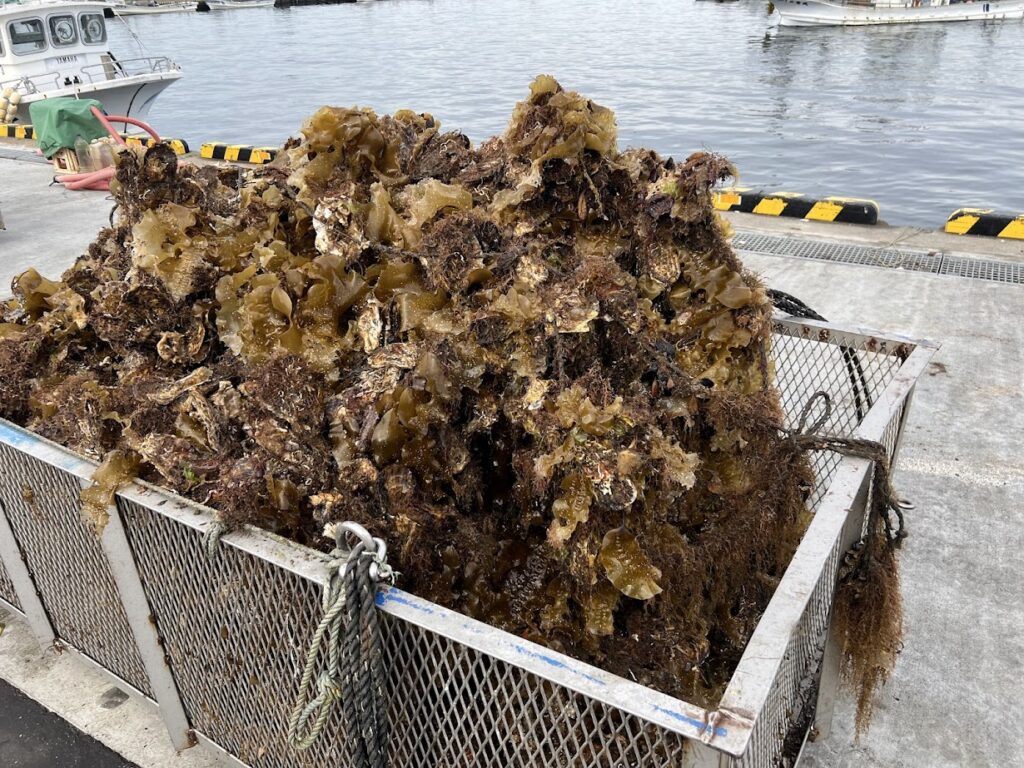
(376, 547)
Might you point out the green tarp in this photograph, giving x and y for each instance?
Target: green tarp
(57, 123)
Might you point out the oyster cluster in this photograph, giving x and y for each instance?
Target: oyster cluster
(535, 367)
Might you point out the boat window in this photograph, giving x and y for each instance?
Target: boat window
(94, 30)
(27, 35)
(63, 30)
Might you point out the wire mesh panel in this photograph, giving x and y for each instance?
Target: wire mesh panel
(852, 370)
(7, 588)
(67, 564)
(236, 629)
(458, 707)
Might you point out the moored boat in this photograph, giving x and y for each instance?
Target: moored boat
(124, 8)
(50, 48)
(235, 5)
(814, 13)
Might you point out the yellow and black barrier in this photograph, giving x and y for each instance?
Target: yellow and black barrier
(238, 153)
(986, 222)
(795, 205)
(8, 131)
(180, 146)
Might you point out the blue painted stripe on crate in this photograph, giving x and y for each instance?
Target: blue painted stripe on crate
(14, 437)
(385, 596)
(700, 725)
(557, 663)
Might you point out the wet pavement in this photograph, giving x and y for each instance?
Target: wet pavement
(33, 737)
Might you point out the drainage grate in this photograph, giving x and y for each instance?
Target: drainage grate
(983, 269)
(892, 258)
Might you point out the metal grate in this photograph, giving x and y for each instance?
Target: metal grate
(983, 269)
(892, 258)
(7, 588)
(67, 564)
(470, 709)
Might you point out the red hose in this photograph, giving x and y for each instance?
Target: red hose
(96, 180)
(105, 122)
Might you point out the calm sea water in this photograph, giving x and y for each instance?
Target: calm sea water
(922, 119)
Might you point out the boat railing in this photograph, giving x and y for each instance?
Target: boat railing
(113, 69)
(27, 85)
(106, 70)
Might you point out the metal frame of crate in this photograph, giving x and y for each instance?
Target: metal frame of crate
(217, 643)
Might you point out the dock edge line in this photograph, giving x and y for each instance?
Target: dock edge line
(240, 153)
(846, 210)
(985, 222)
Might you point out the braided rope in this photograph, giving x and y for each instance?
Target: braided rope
(354, 673)
(211, 539)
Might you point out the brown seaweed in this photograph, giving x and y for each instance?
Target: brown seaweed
(532, 366)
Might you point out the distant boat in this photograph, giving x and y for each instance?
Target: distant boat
(150, 8)
(852, 13)
(50, 49)
(233, 5)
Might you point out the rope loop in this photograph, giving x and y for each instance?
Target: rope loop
(886, 507)
(345, 655)
(826, 412)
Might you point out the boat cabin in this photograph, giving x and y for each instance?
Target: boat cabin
(52, 45)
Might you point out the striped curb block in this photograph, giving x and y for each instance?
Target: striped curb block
(180, 146)
(16, 131)
(240, 153)
(795, 205)
(985, 222)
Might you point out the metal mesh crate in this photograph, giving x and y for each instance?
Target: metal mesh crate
(233, 630)
(67, 564)
(7, 593)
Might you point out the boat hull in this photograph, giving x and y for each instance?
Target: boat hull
(237, 5)
(814, 13)
(129, 96)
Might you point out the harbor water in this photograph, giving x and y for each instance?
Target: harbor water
(921, 118)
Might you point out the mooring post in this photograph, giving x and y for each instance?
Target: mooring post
(143, 625)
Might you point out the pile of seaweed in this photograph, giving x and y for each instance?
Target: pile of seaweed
(535, 367)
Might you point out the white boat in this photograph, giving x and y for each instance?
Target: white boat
(51, 48)
(150, 8)
(851, 13)
(235, 5)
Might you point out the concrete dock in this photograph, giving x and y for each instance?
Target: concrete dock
(955, 698)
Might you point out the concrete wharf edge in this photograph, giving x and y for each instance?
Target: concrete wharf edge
(954, 699)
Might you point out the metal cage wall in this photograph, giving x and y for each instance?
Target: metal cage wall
(218, 644)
